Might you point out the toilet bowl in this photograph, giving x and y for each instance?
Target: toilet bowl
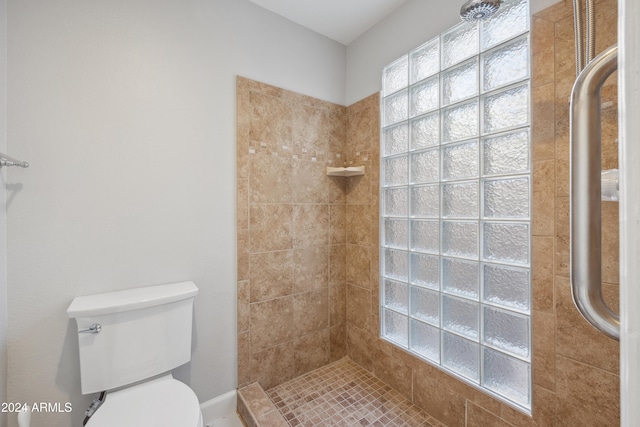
(128, 342)
(163, 402)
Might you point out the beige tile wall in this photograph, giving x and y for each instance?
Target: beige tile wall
(576, 380)
(582, 367)
(363, 147)
(291, 234)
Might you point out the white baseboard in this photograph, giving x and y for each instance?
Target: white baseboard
(218, 407)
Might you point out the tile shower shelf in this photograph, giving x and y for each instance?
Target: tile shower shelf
(349, 171)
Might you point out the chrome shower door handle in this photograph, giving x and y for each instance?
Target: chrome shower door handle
(586, 214)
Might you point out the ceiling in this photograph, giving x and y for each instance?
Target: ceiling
(340, 20)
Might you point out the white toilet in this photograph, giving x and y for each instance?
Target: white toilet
(129, 341)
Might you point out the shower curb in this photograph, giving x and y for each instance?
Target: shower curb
(256, 409)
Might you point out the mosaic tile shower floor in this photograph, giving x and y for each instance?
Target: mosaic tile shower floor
(344, 394)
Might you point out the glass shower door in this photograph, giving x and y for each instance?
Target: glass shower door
(629, 154)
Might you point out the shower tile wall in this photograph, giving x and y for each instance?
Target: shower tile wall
(363, 267)
(291, 234)
(585, 362)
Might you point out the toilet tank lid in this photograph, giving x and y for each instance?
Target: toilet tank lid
(130, 299)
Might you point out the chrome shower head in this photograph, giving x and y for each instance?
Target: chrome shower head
(474, 10)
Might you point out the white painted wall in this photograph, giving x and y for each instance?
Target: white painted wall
(409, 26)
(3, 216)
(126, 112)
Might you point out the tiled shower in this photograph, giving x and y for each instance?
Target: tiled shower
(308, 257)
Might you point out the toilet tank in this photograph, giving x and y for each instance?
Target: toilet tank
(143, 332)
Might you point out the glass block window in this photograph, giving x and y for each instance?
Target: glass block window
(456, 203)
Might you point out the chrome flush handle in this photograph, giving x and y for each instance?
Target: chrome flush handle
(93, 329)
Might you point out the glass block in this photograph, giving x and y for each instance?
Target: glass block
(425, 340)
(460, 82)
(460, 200)
(396, 233)
(396, 295)
(425, 166)
(508, 287)
(460, 277)
(396, 201)
(425, 60)
(395, 170)
(425, 201)
(507, 376)
(505, 65)
(506, 153)
(506, 198)
(425, 131)
(460, 161)
(459, 43)
(396, 108)
(506, 109)
(425, 305)
(425, 236)
(460, 239)
(396, 265)
(425, 97)
(456, 202)
(395, 139)
(396, 327)
(460, 122)
(461, 356)
(395, 76)
(506, 331)
(460, 316)
(506, 242)
(425, 270)
(511, 19)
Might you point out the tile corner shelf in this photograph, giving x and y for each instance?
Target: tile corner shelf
(350, 171)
